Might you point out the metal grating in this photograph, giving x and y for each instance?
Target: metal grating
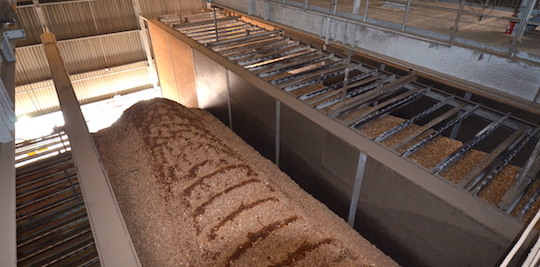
(357, 94)
(52, 224)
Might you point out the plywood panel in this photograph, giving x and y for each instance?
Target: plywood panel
(163, 62)
(183, 69)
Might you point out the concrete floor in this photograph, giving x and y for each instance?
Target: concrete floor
(485, 30)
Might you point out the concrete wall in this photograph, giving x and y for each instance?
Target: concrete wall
(490, 73)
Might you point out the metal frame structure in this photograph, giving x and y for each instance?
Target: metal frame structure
(249, 60)
(111, 236)
(445, 59)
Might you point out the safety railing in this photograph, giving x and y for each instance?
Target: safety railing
(503, 26)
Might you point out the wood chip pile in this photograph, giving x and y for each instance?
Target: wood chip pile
(440, 148)
(194, 194)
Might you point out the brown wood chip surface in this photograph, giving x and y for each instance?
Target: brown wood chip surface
(463, 166)
(194, 194)
(441, 147)
(496, 189)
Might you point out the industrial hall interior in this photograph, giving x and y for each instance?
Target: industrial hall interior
(270, 133)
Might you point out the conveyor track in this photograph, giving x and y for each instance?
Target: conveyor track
(52, 225)
(315, 76)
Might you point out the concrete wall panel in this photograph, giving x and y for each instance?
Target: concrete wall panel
(212, 86)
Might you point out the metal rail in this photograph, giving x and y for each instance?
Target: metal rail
(52, 224)
(412, 120)
(430, 137)
(481, 135)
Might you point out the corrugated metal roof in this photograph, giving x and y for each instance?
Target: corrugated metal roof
(31, 65)
(40, 98)
(31, 25)
(79, 19)
(102, 51)
(80, 55)
(115, 16)
(70, 20)
(93, 35)
(35, 97)
(151, 9)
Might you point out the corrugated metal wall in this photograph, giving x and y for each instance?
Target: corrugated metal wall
(151, 9)
(93, 36)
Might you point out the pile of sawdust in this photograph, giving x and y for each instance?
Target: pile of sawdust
(194, 194)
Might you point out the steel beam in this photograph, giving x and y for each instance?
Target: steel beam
(111, 236)
(486, 180)
(385, 106)
(40, 15)
(356, 81)
(430, 137)
(426, 127)
(412, 120)
(8, 234)
(143, 33)
(481, 135)
(411, 77)
(491, 157)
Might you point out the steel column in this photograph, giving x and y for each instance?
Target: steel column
(143, 33)
(365, 11)
(455, 129)
(458, 18)
(356, 6)
(524, 21)
(251, 7)
(111, 236)
(408, 8)
(362, 158)
(278, 131)
(8, 234)
(40, 15)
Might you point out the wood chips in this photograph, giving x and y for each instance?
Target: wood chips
(194, 194)
(437, 150)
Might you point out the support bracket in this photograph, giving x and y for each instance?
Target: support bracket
(7, 45)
